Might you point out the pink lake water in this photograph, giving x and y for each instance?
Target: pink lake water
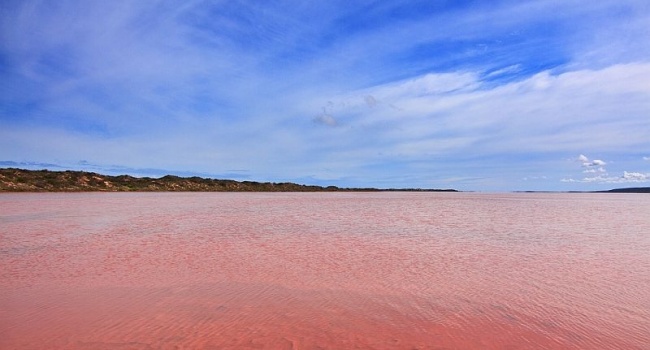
(324, 271)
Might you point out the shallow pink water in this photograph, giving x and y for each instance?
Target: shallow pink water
(324, 271)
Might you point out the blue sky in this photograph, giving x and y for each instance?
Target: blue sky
(472, 95)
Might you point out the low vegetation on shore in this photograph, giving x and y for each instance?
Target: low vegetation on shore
(20, 180)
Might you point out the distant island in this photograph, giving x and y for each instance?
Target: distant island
(21, 180)
(615, 190)
(629, 190)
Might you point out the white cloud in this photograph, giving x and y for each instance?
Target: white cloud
(594, 170)
(627, 177)
(592, 166)
(635, 177)
(646, 158)
(597, 174)
(527, 178)
(545, 113)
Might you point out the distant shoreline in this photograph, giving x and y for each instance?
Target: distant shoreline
(21, 180)
(615, 190)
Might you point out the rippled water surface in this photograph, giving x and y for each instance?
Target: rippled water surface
(324, 271)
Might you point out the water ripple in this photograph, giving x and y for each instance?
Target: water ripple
(324, 270)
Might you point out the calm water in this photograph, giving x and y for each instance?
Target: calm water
(324, 271)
